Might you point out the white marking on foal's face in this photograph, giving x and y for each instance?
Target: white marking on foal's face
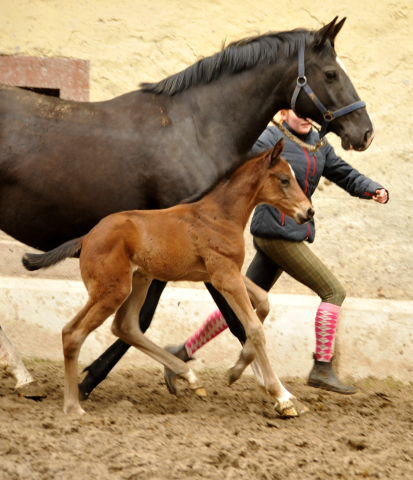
(292, 171)
(338, 60)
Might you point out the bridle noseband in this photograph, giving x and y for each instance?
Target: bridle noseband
(327, 114)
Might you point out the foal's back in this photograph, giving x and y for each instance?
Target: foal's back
(189, 241)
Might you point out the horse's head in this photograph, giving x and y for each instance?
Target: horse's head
(280, 187)
(324, 89)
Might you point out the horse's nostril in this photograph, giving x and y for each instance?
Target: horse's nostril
(310, 213)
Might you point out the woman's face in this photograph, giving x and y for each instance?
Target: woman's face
(300, 125)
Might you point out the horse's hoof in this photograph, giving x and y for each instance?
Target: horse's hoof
(288, 413)
(233, 376)
(300, 408)
(83, 395)
(297, 409)
(31, 390)
(201, 392)
(169, 376)
(170, 380)
(87, 385)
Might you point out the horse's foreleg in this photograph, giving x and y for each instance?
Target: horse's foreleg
(126, 327)
(13, 365)
(100, 368)
(234, 325)
(233, 289)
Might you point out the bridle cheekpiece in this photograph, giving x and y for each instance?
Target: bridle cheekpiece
(327, 114)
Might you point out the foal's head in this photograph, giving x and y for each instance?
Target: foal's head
(279, 187)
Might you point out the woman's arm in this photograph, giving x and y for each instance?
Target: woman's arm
(350, 179)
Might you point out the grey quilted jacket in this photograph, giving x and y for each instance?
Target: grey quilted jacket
(308, 168)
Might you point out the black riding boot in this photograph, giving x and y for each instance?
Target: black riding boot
(323, 376)
(169, 376)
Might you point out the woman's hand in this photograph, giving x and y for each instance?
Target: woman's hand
(381, 196)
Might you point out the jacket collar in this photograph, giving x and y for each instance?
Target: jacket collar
(301, 137)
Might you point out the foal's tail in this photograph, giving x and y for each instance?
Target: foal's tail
(35, 261)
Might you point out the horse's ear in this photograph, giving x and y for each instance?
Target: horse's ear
(336, 29)
(324, 33)
(276, 152)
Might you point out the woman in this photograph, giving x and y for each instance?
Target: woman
(281, 246)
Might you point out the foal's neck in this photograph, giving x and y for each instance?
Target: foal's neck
(236, 197)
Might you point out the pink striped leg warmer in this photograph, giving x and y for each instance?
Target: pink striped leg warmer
(325, 329)
(213, 326)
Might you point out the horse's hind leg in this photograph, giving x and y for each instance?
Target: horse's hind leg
(126, 327)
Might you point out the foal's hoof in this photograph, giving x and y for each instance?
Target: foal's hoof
(201, 392)
(31, 390)
(74, 410)
(297, 409)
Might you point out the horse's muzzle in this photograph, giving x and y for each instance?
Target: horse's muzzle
(304, 217)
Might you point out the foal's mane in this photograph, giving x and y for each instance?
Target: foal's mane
(236, 57)
(226, 176)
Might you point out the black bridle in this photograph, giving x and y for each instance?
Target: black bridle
(327, 114)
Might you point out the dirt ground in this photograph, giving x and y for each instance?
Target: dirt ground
(134, 429)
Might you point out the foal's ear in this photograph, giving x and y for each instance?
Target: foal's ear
(329, 31)
(276, 152)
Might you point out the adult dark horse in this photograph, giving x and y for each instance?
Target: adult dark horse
(66, 165)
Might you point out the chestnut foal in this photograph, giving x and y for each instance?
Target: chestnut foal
(199, 241)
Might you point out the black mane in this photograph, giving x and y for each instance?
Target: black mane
(237, 56)
(224, 176)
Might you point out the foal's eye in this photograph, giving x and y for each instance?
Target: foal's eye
(285, 181)
(331, 75)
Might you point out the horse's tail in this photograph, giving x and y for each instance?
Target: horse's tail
(35, 261)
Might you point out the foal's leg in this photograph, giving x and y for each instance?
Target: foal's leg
(100, 368)
(13, 365)
(259, 300)
(230, 283)
(92, 315)
(258, 297)
(126, 327)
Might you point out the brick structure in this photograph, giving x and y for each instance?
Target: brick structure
(69, 77)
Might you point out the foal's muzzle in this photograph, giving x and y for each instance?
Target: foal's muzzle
(306, 216)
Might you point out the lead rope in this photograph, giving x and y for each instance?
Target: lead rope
(293, 138)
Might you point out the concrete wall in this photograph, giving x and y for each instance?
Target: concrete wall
(374, 335)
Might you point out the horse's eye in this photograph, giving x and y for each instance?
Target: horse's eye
(285, 181)
(331, 75)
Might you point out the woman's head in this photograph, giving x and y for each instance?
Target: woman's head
(300, 125)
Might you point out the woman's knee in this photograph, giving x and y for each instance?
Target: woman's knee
(337, 294)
